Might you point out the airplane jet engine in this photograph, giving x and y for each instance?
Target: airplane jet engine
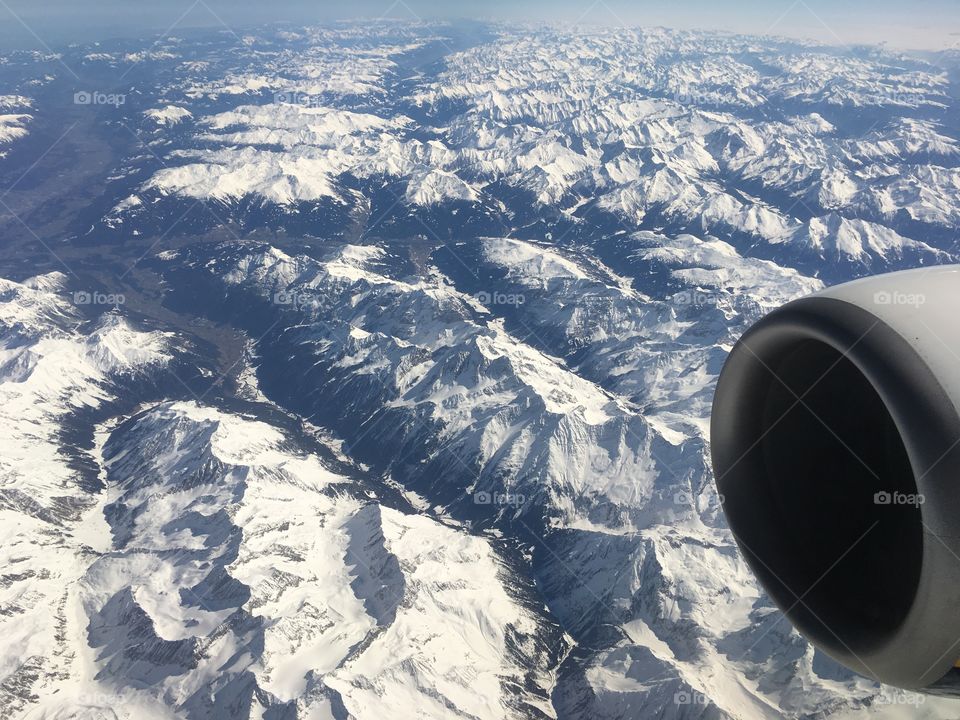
(836, 447)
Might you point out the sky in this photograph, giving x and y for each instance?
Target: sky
(920, 24)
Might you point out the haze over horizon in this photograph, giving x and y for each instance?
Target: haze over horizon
(923, 25)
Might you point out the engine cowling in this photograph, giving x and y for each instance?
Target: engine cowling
(836, 448)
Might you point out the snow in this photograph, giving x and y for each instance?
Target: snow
(50, 524)
(306, 557)
(13, 127)
(462, 651)
(524, 259)
(168, 115)
(436, 186)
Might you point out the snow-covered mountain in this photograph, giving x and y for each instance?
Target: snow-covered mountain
(200, 563)
(254, 580)
(366, 370)
(14, 123)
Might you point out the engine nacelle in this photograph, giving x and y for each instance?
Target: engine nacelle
(836, 448)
